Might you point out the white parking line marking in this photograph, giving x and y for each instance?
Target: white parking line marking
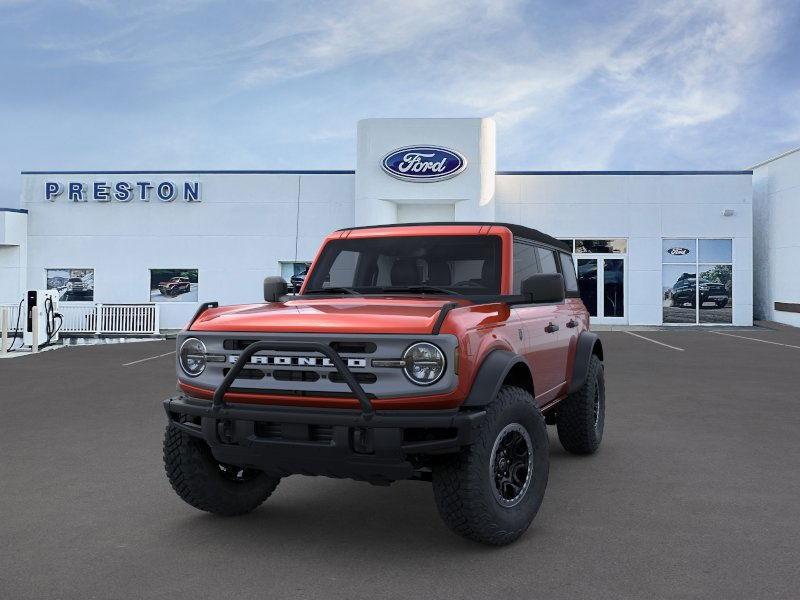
(756, 340)
(654, 341)
(141, 360)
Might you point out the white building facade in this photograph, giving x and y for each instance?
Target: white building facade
(651, 248)
(776, 197)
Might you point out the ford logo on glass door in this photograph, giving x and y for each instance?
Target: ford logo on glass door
(678, 251)
(423, 163)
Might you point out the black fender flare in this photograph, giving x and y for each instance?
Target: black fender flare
(588, 344)
(491, 375)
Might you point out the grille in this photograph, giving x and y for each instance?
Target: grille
(425, 434)
(286, 375)
(351, 347)
(336, 377)
(343, 347)
(322, 434)
(267, 430)
(247, 373)
(295, 376)
(299, 393)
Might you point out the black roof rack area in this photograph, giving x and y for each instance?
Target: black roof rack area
(528, 233)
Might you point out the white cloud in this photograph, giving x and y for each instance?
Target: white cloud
(335, 34)
(685, 65)
(692, 68)
(572, 86)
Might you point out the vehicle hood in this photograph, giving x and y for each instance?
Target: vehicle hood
(337, 315)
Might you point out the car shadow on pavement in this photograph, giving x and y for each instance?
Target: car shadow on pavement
(306, 515)
(309, 514)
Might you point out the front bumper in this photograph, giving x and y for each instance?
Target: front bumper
(382, 447)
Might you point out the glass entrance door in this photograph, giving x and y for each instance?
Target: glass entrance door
(601, 280)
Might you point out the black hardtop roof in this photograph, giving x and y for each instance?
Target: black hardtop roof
(528, 233)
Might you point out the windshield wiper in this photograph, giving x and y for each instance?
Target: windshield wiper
(333, 290)
(419, 289)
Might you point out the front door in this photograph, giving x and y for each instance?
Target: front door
(601, 280)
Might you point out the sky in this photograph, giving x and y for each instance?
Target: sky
(195, 84)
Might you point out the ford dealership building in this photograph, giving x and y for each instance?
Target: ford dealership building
(650, 248)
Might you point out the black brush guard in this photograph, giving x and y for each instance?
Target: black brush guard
(218, 402)
(367, 445)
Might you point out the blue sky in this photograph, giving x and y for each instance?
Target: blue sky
(193, 84)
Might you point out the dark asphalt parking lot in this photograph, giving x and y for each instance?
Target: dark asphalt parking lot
(694, 493)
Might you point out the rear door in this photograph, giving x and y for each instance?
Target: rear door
(558, 318)
(574, 309)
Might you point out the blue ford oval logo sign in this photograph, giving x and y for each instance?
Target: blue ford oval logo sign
(423, 163)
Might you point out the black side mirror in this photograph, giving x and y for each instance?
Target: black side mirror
(274, 288)
(544, 287)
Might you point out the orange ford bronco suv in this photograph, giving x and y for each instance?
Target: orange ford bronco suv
(435, 352)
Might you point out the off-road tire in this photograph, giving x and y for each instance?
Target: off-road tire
(578, 429)
(463, 483)
(198, 479)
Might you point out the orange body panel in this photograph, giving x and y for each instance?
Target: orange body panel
(479, 328)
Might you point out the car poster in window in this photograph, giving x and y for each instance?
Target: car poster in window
(716, 293)
(679, 288)
(173, 285)
(73, 285)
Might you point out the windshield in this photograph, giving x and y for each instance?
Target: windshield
(468, 265)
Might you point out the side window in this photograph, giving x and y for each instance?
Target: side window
(547, 260)
(525, 264)
(568, 270)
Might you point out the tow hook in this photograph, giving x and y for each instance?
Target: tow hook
(225, 431)
(362, 440)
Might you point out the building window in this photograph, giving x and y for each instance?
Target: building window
(688, 298)
(294, 273)
(73, 285)
(173, 285)
(569, 243)
(612, 246)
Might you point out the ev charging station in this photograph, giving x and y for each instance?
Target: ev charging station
(42, 319)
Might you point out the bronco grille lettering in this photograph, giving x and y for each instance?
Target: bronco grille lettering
(300, 361)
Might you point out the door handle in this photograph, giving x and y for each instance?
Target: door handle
(551, 328)
(572, 323)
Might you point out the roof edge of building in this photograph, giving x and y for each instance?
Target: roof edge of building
(199, 172)
(352, 172)
(776, 157)
(721, 172)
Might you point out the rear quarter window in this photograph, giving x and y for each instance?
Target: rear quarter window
(526, 263)
(568, 270)
(547, 260)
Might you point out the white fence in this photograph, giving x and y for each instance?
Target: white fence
(99, 318)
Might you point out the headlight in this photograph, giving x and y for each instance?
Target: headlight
(424, 363)
(192, 357)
